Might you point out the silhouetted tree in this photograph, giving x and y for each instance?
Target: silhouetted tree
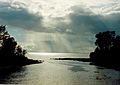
(107, 51)
(10, 52)
(105, 40)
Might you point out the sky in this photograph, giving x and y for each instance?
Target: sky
(59, 25)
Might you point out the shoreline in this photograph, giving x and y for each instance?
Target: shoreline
(74, 59)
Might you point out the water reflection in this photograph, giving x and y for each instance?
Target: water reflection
(107, 76)
(9, 74)
(75, 66)
(53, 72)
(76, 69)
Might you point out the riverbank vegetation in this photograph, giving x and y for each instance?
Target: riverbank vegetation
(10, 52)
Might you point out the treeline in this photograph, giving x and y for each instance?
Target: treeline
(107, 51)
(10, 52)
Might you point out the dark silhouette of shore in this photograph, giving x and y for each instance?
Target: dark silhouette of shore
(12, 54)
(74, 59)
(107, 51)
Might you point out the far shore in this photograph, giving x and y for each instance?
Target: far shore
(75, 59)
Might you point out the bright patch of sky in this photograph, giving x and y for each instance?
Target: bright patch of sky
(60, 8)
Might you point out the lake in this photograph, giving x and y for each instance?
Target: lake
(59, 72)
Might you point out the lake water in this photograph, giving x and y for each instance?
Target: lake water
(59, 72)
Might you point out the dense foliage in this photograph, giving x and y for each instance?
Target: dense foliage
(10, 52)
(107, 51)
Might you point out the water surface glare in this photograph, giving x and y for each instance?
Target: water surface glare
(58, 72)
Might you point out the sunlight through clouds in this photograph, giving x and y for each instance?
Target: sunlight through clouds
(59, 25)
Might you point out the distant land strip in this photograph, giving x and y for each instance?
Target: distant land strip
(75, 59)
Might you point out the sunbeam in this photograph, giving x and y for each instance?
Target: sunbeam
(59, 25)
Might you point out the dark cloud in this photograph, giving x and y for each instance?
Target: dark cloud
(20, 18)
(112, 21)
(82, 20)
(86, 23)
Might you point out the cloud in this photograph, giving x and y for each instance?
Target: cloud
(19, 17)
(44, 17)
(57, 27)
(85, 20)
(81, 20)
(113, 6)
(112, 21)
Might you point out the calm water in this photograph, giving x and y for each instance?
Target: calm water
(53, 72)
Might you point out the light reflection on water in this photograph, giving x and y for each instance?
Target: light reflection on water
(53, 72)
(57, 55)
